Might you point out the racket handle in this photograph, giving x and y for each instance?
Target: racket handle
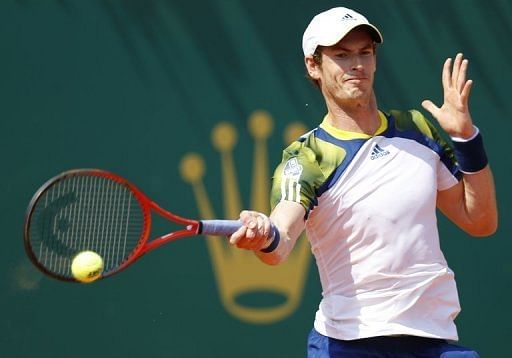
(227, 227)
(219, 227)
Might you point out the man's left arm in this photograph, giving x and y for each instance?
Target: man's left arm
(471, 204)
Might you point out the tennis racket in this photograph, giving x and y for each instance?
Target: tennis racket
(94, 210)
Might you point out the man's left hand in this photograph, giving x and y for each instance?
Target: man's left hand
(453, 115)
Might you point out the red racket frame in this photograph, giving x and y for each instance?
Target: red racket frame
(192, 227)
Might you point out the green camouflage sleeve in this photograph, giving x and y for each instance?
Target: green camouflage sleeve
(297, 177)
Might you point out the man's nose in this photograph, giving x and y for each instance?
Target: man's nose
(357, 63)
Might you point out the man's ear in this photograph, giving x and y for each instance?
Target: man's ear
(312, 67)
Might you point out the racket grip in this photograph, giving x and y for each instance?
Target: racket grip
(227, 227)
(219, 227)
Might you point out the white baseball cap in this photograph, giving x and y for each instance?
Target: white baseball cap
(329, 27)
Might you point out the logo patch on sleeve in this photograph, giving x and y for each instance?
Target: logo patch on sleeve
(290, 186)
(292, 169)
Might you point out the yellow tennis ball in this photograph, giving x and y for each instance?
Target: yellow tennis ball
(87, 266)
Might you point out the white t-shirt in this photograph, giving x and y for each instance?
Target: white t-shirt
(371, 203)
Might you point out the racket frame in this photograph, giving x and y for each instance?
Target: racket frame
(191, 227)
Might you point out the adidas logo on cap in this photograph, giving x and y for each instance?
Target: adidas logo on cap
(348, 17)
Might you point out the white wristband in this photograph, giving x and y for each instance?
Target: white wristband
(459, 139)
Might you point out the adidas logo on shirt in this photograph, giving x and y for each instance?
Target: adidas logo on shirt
(378, 152)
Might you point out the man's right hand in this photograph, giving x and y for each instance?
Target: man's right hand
(255, 232)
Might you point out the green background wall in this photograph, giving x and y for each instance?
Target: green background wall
(132, 86)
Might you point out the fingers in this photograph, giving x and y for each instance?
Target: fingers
(238, 235)
(456, 69)
(461, 80)
(466, 90)
(455, 77)
(254, 233)
(431, 107)
(446, 79)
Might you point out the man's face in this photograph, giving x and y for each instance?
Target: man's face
(347, 69)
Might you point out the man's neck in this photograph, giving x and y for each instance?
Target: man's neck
(358, 117)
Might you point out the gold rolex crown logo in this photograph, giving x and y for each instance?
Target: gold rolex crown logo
(239, 273)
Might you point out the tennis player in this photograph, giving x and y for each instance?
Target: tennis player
(365, 185)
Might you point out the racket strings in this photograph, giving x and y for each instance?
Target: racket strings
(85, 212)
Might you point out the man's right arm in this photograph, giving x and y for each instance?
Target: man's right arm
(288, 218)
